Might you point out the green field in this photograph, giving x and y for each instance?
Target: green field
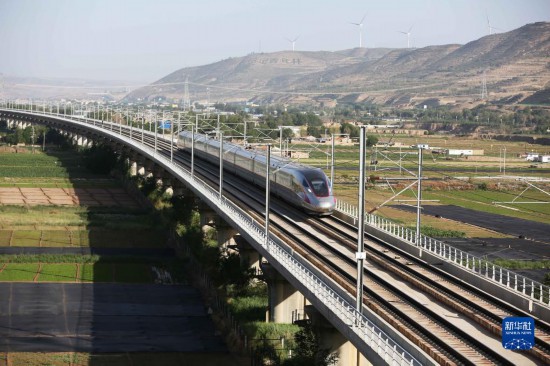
(119, 272)
(51, 272)
(442, 176)
(62, 169)
(113, 218)
(19, 272)
(95, 238)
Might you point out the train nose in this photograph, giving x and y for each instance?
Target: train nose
(326, 204)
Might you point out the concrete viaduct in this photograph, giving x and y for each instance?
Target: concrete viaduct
(360, 338)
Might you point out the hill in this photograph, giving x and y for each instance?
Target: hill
(515, 65)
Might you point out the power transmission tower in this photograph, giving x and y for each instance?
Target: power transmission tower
(484, 94)
(186, 100)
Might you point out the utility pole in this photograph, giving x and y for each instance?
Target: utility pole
(360, 255)
(281, 140)
(332, 165)
(500, 160)
(267, 189)
(171, 141)
(244, 137)
(193, 144)
(418, 196)
(504, 162)
(221, 163)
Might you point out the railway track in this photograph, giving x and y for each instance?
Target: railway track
(450, 322)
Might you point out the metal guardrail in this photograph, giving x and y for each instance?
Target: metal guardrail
(536, 291)
(374, 337)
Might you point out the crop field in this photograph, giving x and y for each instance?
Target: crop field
(100, 269)
(62, 170)
(15, 272)
(73, 237)
(447, 181)
(119, 218)
(119, 359)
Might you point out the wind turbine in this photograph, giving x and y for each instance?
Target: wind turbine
(491, 29)
(360, 25)
(408, 36)
(293, 41)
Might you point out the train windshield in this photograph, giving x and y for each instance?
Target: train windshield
(318, 182)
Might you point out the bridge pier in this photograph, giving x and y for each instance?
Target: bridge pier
(86, 142)
(226, 233)
(168, 185)
(332, 339)
(148, 169)
(208, 217)
(132, 171)
(249, 256)
(286, 304)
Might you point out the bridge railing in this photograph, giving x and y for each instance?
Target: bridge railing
(525, 286)
(374, 337)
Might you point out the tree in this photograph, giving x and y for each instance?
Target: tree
(309, 350)
(232, 270)
(351, 130)
(372, 140)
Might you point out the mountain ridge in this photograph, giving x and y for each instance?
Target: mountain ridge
(515, 64)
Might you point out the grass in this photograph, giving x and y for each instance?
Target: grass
(118, 218)
(19, 272)
(98, 272)
(5, 236)
(86, 272)
(522, 264)
(439, 233)
(91, 268)
(481, 200)
(26, 238)
(57, 273)
(248, 309)
(52, 182)
(62, 169)
(57, 238)
(259, 332)
(347, 163)
(96, 238)
(49, 258)
(472, 198)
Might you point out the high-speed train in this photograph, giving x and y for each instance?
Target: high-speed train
(302, 186)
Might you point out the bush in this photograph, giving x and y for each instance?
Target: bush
(483, 186)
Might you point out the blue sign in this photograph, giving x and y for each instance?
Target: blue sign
(165, 124)
(518, 333)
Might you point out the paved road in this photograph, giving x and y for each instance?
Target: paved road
(504, 224)
(51, 317)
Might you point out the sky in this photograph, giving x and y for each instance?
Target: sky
(144, 40)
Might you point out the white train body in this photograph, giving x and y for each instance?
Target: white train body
(302, 186)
